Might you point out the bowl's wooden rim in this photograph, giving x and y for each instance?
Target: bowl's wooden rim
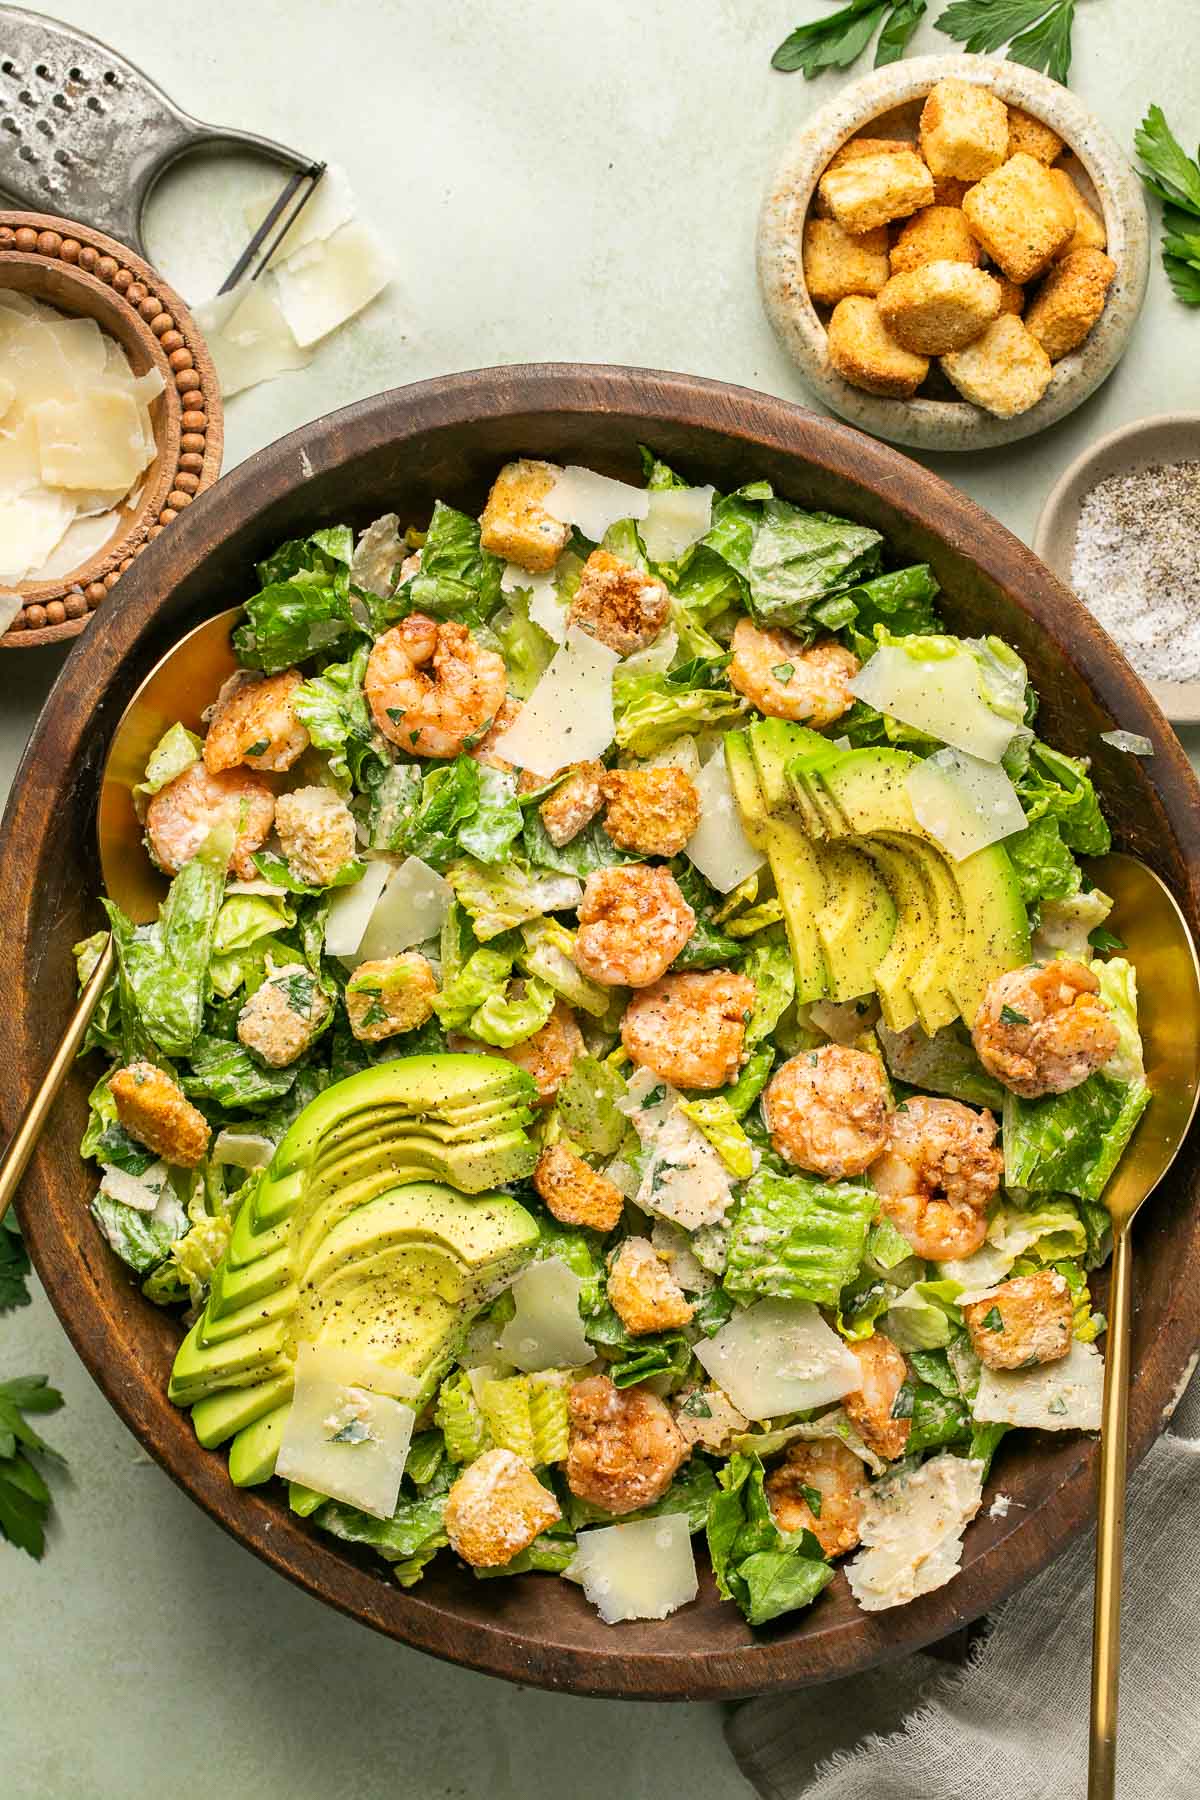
(131, 300)
(538, 1638)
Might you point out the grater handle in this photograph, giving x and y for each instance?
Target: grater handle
(194, 134)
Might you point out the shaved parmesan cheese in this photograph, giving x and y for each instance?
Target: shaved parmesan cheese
(30, 527)
(911, 1529)
(982, 1269)
(330, 206)
(674, 1246)
(1057, 1396)
(545, 1331)
(676, 517)
(683, 1179)
(682, 754)
(344, 1435)
(410, 909)
(84, 538)
(10, 605)
(143, 1192)
(378, 555)
(719, 847)
(242, 1149)
(963, 802)
(249, 337)
(779, 1356)
(8, 394)
(940, 695)
(351, 908)
(328, 282)
(94, 441)
(569, 715)
(593, 502)
(645, 1570)
(545, 607)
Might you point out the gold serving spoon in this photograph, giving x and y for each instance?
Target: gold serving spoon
(177, 688)
(1160, 947)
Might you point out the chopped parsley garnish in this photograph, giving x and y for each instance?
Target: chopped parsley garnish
(1101, 939)
(655, 1095)
(992, 1320)
(1037, 32)
(395, 713)
(353, 1432)
(902, 1405)
(299, 990)
(1057, 1406)
(1175, 177)
(812, 1499)
(376, 1013)
(24, 1497)
(1010, 1016)
(259, 749)
(784, 672)
(696, 1407)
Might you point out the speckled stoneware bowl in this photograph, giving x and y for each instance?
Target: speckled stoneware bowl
(898, 91)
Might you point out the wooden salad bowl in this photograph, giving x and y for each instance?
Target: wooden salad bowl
(397, 452)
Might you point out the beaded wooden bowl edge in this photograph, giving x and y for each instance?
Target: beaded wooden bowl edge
(84, 273)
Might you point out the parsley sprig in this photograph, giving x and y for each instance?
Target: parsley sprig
(1175, 177)
(1037, 32)
(840, 38)
(25, 1499)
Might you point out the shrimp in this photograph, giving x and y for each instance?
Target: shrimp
(549, 1055)
(783, 679)
(438, 714)
(938, 1174)
(690, 1029)
(256, 724)
(1044, 1030)
(624, 1446)
(828, 1472)
(826, 1110)
(181, 815)
(633, 922)
(869, 1407)
(484, 751)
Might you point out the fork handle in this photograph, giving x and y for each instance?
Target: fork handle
(1110, 1528)
(15, 1159)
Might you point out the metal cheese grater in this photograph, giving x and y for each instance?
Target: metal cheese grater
(85, 134)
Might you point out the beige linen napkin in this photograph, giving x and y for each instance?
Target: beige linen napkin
(1012, 1724)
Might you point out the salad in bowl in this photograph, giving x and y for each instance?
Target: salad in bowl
(629, 1051)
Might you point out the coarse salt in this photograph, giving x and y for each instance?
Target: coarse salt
(1137, 566)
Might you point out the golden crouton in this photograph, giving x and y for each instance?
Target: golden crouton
(515, 525)
(964, 130)
(619, 604)
(1070, 300)
(643, 1292)
(496, 1508)
(837, 262)
(1005, 370)
(864, 352)
(389, 995)
(1012, 294)
(948, 190)
(1089, 233)
(935, 234)
(154, 1110)
(868, 191)
(1029, 135)
(1020, 216)
(574, 803)
(650, 811)
(284, 1015)
(316, 833)
(575, 1193)
(938, 307)
(1022, 1322)
(853, 151)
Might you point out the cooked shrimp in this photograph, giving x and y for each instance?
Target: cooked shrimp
(869, 1408)
(484, 751)
(625, 1447)
(785, 680)
(827, 1471)
(826, 1110)
(1044, 1030)
(633, 922)
(433, 714)
(690, 1028)
(937, 1176)
(548, 1055)
(181, 815)
(257, 724)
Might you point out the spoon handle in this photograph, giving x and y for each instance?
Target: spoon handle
(15, 1159)
(1110, 1528)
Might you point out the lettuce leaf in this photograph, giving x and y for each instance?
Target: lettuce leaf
(175, 751)
(1048, 1229)
(464, 808)
(508, 1018)
(333, 709)
(587, 1104)
(457, 578)
(498, 898)
(303, 606)
(1057, 786)
(924, 1316)
(547, 953)
(798, 1238)
(226, 1073)
(1044, 866)
(945, 1063)
(527, 649)
(789, 559)
(164, 965)
(708, 947)
(766, 1571)
(768, 963)
(663, 707)
(901, 601)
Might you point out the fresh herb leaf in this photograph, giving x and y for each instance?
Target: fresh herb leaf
(25, 1499)
(1173, 175)
(1103, 939)
(1057, 1406)
(1037, 32)
(897, 32)
(902, 1405)
(812, 1499)
(1010, 1016)
(833, 42)
(784, 671)
(14, 1266)
(992, 1321)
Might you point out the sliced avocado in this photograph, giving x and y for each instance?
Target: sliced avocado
(909, 946)
(223, 1415)
(743, 778)
(857, 922)
(799, 879)
(304, 1501)
(202, 1368)
(253, 1451)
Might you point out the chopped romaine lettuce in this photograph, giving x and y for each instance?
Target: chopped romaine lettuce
(766, 1571)
(333, 709)
(500, 897)
(587, 1105)
(175, 751)
(457, 579)
(945, 1063)
(789, 559)
(799, 1238)
(164, 965)
(663, 707)
(303, 606)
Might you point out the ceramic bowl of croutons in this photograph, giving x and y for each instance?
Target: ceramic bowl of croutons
(954, 252)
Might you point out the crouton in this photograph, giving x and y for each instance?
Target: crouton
(1029, 136)
(864, 352)
(643, 1292)
(575, 1193)
(621, 605)
(935, 234)
(868, 191)
(389, 995)
(573, 804)
(706, 1418)
(964, 130)
(285, 1015)
(1025, 1321)
(853, 151)
(254, 722)
(154, 1110)
(316, 834)
(1006, 370)
(1012, 295)
(1070, 300)
(938, 307)
(515, 525)
(948, 190)
(650, 811)
(1090, 232)
(496, 1508)
(1020, 216)
(837, 262)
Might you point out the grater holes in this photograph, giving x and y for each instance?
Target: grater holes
(62, 159)
(45, 127)
(111, 78)
(26, 98)
(26, 153)
(94, 105)
(9, 67)
(7, 123)
(62, 103)
(76, 75)
(43, 73)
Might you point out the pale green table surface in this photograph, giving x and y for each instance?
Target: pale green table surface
(572, 179)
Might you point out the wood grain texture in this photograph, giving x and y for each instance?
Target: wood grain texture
(397, 452)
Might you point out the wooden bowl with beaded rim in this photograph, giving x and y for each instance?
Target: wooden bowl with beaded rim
(85, 274)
